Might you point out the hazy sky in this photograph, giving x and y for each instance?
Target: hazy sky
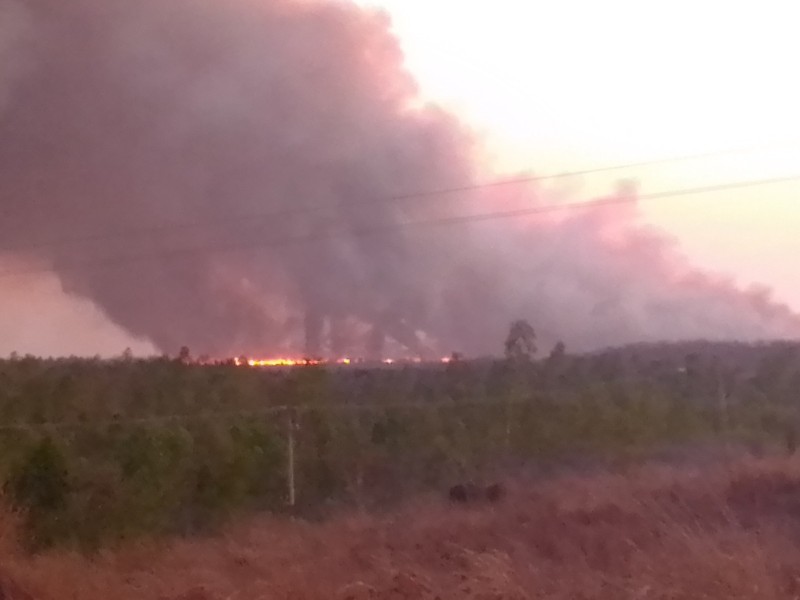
(560, 86)
(568, 85)
(37, 317)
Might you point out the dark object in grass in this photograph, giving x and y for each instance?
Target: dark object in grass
(470, 493)
(495, 492)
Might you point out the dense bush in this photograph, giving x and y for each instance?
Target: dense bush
(99, 450)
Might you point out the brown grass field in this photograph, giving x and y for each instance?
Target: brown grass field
(723, 532)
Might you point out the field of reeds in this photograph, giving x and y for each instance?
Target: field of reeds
(725, 530)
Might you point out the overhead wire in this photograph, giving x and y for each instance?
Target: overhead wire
(396, 227)
(375, 201)
(222, 415)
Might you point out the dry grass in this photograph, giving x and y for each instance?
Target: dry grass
(653, 533)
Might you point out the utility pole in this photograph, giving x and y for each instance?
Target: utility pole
(724, 409)
(290, 474)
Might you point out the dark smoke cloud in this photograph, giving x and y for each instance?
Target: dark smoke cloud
(15, 29)
(119, 119)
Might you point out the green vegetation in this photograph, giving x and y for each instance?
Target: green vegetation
(95, 451)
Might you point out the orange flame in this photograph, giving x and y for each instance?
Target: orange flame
(295, 362)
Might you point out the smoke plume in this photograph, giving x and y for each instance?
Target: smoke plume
(216, 174)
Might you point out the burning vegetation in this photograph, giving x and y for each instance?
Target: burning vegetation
(342, 362)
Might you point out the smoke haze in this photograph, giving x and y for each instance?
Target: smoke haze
(143, 146)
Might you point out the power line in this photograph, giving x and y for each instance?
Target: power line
(446, 191)
(394, 227)
(250, 414)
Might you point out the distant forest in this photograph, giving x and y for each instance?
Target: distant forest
(93, 451)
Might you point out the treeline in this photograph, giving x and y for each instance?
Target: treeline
(94, 450)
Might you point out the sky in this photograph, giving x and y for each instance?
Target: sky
(567, 85)
(574, 84)
(38, 317)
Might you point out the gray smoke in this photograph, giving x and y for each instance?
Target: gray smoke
(15, 29)
(144, 146)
